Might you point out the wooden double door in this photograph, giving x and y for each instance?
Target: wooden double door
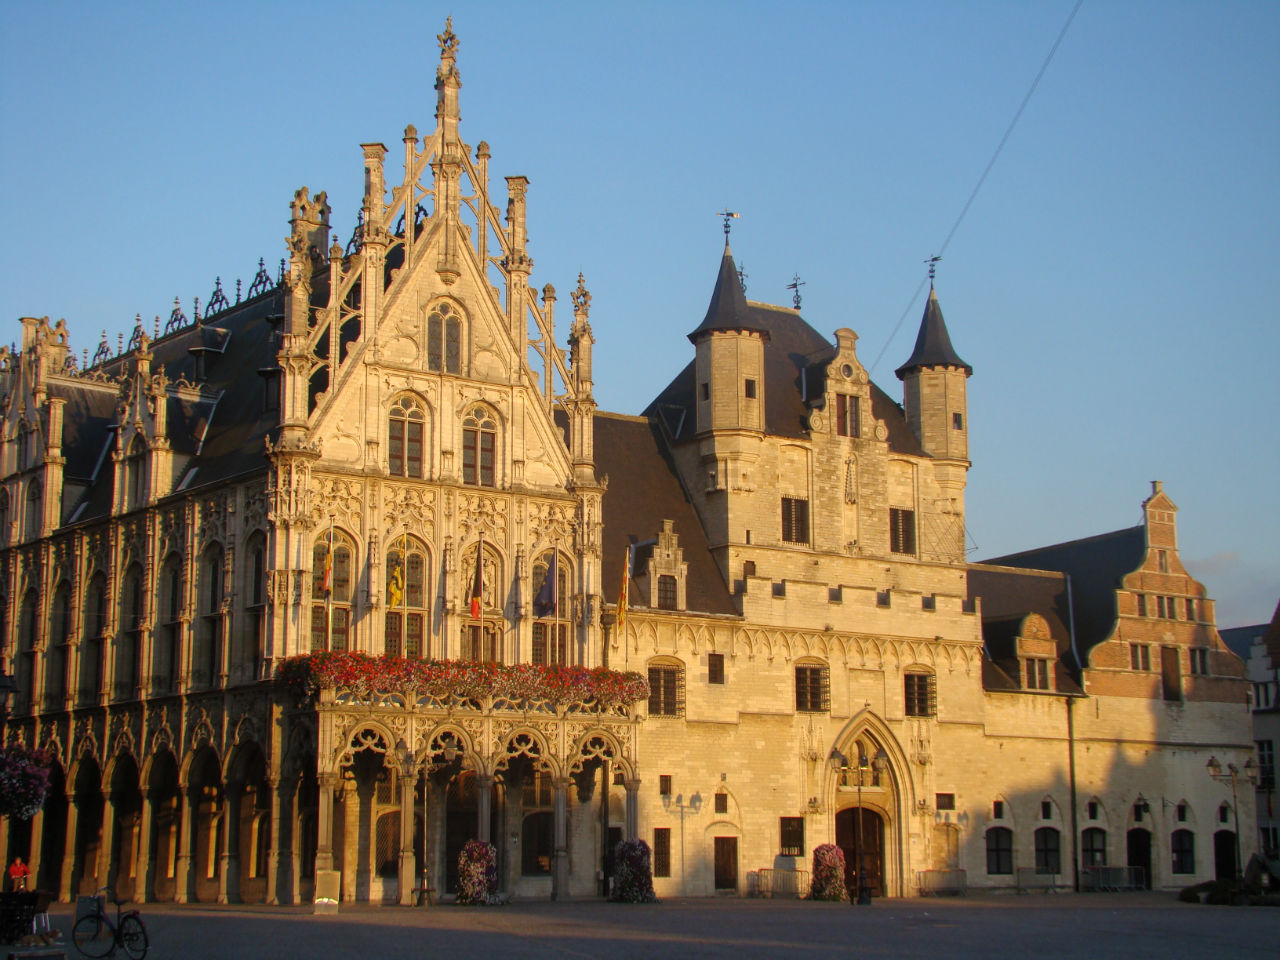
(860, 834)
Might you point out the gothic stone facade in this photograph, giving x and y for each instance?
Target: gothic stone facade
(324, 463)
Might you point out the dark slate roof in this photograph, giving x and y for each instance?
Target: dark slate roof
(1239, 640)
(215, 436)
(644, 489)
(933, 343)
(793, 351)
(1096, 566)
(728, 309)
(1008, 595)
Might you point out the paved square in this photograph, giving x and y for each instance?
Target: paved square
(1061, 926)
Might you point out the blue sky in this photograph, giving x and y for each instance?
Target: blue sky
(1112, 284)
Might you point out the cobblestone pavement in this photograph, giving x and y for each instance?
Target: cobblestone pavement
(1059, 926)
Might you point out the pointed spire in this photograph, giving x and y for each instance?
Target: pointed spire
(728, 309)
(448, 80)
(933, 344)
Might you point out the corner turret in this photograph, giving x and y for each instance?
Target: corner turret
(934, 388)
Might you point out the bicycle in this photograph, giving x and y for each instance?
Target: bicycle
(96, 936)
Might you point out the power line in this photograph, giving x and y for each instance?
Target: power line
(983, 179)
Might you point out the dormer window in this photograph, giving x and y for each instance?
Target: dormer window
(444, 339)
(848, 416)
(135, 474)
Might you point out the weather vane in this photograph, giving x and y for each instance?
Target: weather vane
(794, 286)
(933, 267)
(728, 215)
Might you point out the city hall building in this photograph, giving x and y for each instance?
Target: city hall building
(391, 447)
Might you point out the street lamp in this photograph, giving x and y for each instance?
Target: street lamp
(682, 807)
(877, 765)
(1233, 772)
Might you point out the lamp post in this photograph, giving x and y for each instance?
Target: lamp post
(1232, 774)
(682, 807)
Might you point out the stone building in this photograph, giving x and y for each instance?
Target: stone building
(384, 450)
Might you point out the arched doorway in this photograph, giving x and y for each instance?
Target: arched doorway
(1224, 855)
(461, 822)
(53, 845)
(88, 835)
(1138, 844)
(860, 834)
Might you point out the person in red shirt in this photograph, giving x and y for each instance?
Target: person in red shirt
(18, 874)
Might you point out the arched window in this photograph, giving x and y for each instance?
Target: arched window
(206, 657)
(1048, 851)
(55, 681)
(95, 627)
(5, 530)
(35, 509)
(538, 828)
(444, 339)
(999, 851)
(550, 608)
(1093, 846)
(26, 665)
(408, 603)
(23, 451)
(387, 844)
(1184, 851)
(130, 645)
(167, 653)
(135, 474)
(253, 650)
(481, 636)
(405, 438)
(332, 567)
(813, 688)
(479, 443)
(666, 688)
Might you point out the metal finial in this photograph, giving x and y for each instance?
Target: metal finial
(933, 267)
(742, 277)
(728, 215)
(794, 286)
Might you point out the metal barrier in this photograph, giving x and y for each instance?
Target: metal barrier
(1030, 879)
(1111, 879)
(938, 882)
(772, 882)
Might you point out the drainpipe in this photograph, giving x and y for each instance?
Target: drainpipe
(1071, 743)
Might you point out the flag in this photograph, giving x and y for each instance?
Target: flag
(395, 583)
(622, 593)
(327, 589)
(477, 582)
(547, 602)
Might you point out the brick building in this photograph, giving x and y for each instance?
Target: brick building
(385, 450)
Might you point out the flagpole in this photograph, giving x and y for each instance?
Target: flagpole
(404, 590)
(328, 596)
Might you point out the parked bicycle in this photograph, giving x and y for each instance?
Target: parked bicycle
(95, 935)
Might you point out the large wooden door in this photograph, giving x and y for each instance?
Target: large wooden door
(1138, 848)
(726, 863)
(871, 838)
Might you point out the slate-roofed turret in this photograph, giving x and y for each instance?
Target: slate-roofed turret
(728, 310)
(933, 343)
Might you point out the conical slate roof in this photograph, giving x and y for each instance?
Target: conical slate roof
(728, 309)
(933, 345)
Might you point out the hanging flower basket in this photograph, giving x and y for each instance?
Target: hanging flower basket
(24, 782)
(477, 873)
(633, 879)
(828, 874)
(310, 673)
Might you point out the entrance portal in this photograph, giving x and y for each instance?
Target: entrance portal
(860, 834)
(1139, 851)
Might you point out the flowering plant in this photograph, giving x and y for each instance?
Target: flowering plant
(477, 872)
(633, 881)
(310, 673)
(828, 873)
(24, 781)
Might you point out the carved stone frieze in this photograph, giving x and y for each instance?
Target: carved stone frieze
(412, 504)
(478, 512)
(341, 498)
(256, 505)
(552, 523)
(212, 521)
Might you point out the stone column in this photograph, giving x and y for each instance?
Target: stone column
(328, 880)
(184, 871)
(65, 893)
(229, 855)
(407, 780)
(144, 865)
(273, 857)
(484, 806)
(632, 829)
(560, 852)
(106, 873)
(37, 848)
